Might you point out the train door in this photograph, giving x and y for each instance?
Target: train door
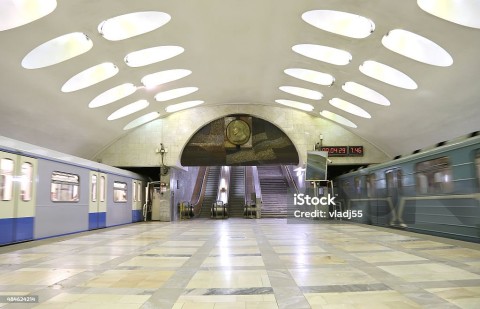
(136, 200)
(394, 186)
(97, 203)
(17, 197)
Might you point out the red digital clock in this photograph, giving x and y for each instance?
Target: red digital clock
(343, 151)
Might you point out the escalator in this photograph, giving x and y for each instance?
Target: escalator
(211, 191)
(236, 200)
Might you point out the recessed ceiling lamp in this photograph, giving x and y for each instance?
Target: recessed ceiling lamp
(16, 13)
(181, 106)
(302, 92)
(163, 77)
(90, 76)
(142, 120)
(152, 55)
(323, 53)
(174, 93)
(387, 74)
(297, 105)
(349, 108)
(57, 50)
(342, 23)
(112, 95)
(462, 12)
(129, 109)
(129, 25)
(365, 93)
(416, 47)
(311, 76)
(337, 118)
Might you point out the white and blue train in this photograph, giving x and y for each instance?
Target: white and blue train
(44, 193)
(436, 191)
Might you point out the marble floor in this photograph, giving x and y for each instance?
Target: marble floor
(242, 263)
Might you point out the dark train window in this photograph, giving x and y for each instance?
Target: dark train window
(119, 192)
(371, 185)
(65, 187)
(434, 176)
(102, 189)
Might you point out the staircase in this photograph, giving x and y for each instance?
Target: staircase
(236, 199)
(274, 192)
(211, 191)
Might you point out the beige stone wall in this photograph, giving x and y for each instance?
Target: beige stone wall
(137, 147)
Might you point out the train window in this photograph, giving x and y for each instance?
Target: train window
(26, 182)
(6, 179)
(102, 189)
(394, 181)
(94, 188)
(139, 191)
(65, 187)
(134, 191)
(119, 191)
(434, 176)
(371, 185)
(357, 183)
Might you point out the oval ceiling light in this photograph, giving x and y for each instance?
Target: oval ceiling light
(342, 23)
(416, 47)
(112, 95)
(129, 109)
(129, 25)
(297, 105)
(142, 120)
(163, 77)
(181, 106)
(337, 118)
(302, 92)
(349, 108)
(57, 50)
(323, 53)
(16, 13)
(462, 12)
(387, 74)
(90, 76)
(365, 93)
(152, 55)
(311, 76)
(174, 93)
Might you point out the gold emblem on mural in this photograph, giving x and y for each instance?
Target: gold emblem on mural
(238, 132)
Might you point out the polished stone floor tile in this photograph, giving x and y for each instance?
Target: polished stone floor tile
(298, 249)
(463, 297)
(389, 256)
(154, 261)
(429, 272)
(330, 276)
(369, 299)
(229, 279)
(143, 279)
(297, 260)
(83, 301)
(37, 276)
(225, 260)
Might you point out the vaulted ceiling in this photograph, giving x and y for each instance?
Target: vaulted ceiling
(239, 52)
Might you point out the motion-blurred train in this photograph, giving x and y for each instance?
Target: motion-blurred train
(45, 193)
(433, 192)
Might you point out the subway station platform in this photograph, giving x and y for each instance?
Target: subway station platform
(238, 263)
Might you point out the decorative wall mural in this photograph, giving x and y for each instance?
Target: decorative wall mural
(239, 140)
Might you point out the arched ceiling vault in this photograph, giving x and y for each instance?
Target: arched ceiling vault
(227, 52)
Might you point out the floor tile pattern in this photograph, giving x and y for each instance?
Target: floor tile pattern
(242, 263)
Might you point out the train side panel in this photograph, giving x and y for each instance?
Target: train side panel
(57, 214)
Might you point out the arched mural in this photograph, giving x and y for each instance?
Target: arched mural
(239, 140)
